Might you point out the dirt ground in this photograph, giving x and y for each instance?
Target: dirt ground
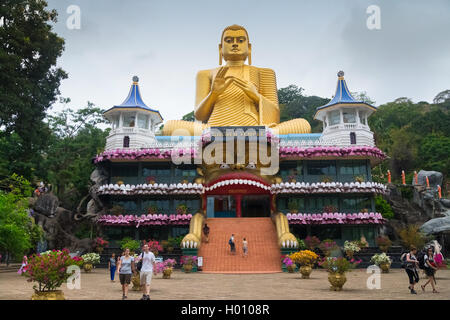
(284, 286)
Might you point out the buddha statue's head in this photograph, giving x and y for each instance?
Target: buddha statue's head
(235, 45)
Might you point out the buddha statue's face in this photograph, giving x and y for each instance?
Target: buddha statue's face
(235, 46)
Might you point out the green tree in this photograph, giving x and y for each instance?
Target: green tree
(189, 116)
(75, 140)
(18, 232)
(29, 79)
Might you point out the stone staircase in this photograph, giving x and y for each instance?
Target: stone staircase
(263, 251)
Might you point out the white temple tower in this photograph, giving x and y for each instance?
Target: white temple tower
(133, 122)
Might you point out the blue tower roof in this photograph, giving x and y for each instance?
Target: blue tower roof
(343, 95)
(134, 100)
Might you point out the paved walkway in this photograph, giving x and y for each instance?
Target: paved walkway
(196, 286)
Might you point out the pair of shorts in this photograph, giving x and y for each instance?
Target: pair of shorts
(125, 278)
(429, 272)
(146, 277)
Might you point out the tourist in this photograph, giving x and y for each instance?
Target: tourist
(430, 269)
(206, 233)
(245, 247)
(24, 264)
(148, 268)
(112, 266)
(411, 269)
(126, 268)
(232, 244)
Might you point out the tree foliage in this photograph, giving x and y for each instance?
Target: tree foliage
(29, 79)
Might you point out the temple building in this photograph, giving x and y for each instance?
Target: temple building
(322, 184)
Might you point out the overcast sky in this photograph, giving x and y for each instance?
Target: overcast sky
(166, 42)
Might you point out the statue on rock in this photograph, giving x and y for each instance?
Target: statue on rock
(236, 94)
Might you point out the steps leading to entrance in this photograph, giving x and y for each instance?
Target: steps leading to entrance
(263, 252)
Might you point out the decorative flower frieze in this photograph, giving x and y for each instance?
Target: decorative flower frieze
(328, 187)
(336, 218)
(156, 188)
(144, 220)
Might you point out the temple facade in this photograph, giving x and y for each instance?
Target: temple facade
(323, 186)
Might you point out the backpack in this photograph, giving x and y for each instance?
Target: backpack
(403, 260)
(421, 259)
(139, 264)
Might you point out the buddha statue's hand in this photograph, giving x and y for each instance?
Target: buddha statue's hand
(248, 88)
(220, 83)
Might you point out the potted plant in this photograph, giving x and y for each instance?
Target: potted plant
(383, 261)
(305, 259)
(326, 179)
(129, 243)
(166, 268)
(152, 209)
(359, 178)
(100, 244)
(182, 209)
(350, 247)
(117, 210)
(292, 178)
(150, 180)
(290, 265)
(171, 244)
(312, 243)
(327, 246)
(90, 259)
(188, 263)
(330, 209)
(49, 270)
(154, 246)
(384, 243)
(293, 205)
(337, 267)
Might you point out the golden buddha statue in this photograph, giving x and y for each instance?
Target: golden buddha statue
(236, 94)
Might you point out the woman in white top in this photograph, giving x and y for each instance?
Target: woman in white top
(245, 247)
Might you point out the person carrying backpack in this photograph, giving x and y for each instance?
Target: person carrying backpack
(232, 244)
(411, 263)
(146, 267)
(430, 268)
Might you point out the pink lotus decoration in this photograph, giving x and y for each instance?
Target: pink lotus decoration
(144, 220)
(336, 218)
(331, 151)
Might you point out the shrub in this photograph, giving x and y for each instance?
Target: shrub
(380, 258)
(383, 207)
(129, 243)
(338, 265)
(411, 236)
(92, 258)
(304, 257)
(301, 244)
(352, 246)
(49, 269)
(312, 242)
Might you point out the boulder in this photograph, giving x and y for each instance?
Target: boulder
(47, 204)
(445, 202)
(436, 225)
(434, 177)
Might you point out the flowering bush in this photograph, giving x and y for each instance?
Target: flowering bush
(168, 263)
(304, 257)
(49, 269)
(92, 258)
(327, 246)
(380, 258)
(338, 265)
(101, 243)
(351, 246)
(182, 209)
(287, 261)
(312, 242)
(150, 179)
(154, 246)
(189, 260)
(383, 242)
